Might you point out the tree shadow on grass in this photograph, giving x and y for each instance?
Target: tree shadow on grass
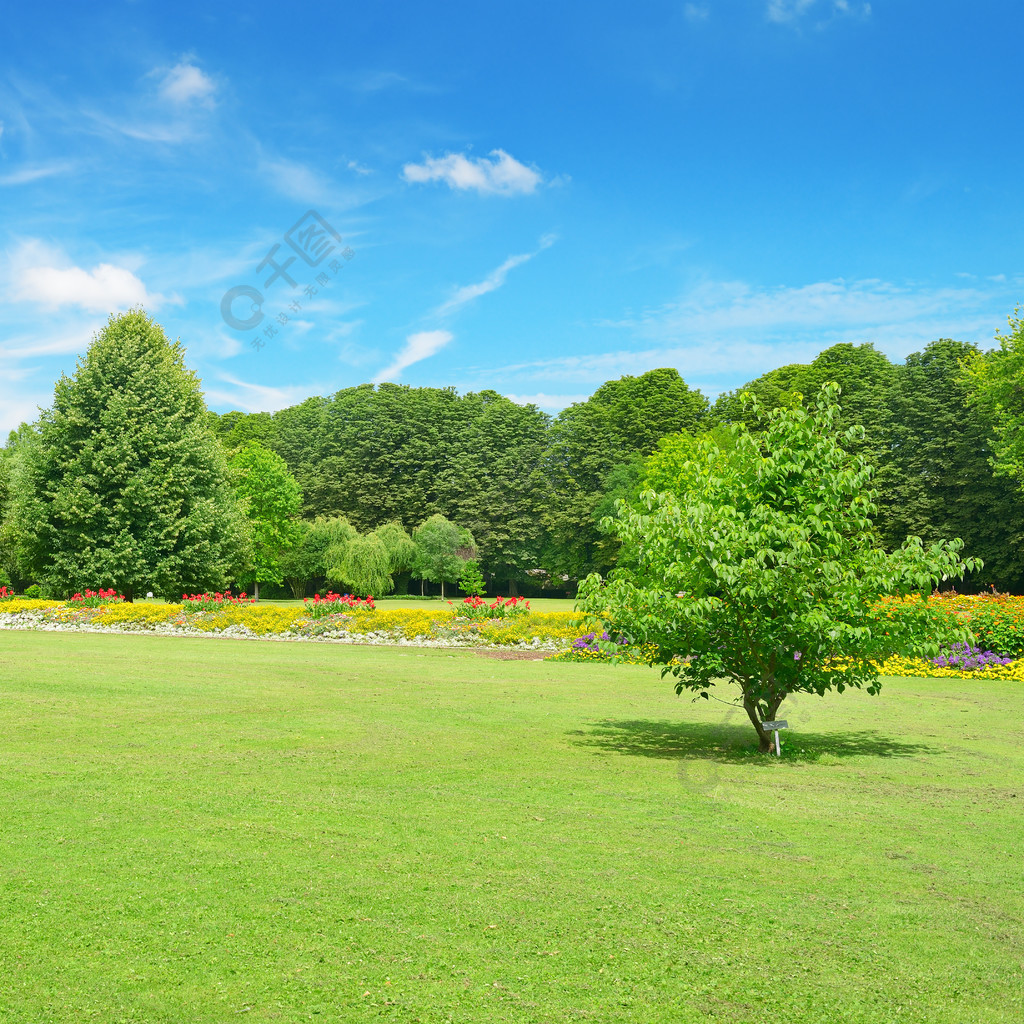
(729, 743)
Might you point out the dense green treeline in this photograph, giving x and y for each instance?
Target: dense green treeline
(530, 490)
(533, 489)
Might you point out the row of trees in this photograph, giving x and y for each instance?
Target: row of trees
(129, 469)
(941, 430)
(124, 483)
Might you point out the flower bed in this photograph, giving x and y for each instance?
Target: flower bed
(500, 608)
(213, 602)
(333, 604)
(351, 621)
(345, 619)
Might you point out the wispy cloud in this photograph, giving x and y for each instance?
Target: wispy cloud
(789, 12)
(419, 346)
(502, 175)
(296, 180)
(176, 106)
(70, 339)
(696, 12)
(494, 280)
(724, 329)
(16, 407)
(550, 403)
(716, 306)
(35, 172)
(249, 397)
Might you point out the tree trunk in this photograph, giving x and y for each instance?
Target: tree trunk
(423, 584)
(764, 736)
(442, 590)
(513, 590)
(256, 589)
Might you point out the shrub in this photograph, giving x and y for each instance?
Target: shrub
(35, 591)
(996, 620)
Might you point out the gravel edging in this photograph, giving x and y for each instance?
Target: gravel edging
(34, 622)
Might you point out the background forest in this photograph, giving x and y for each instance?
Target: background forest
(525, 492)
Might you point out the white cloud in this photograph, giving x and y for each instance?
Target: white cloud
(355, 165)
(26, 175)
(696, 12)
(503, 175)
(185, 83)
(419, 346)
(40, 274)
(495, 279)
(550, 403)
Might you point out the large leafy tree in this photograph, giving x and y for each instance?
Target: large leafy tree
(442, 550)
(590, 444)
(393, 453)
(940, 481)
(865, 376)
(125, 485)
(764, 570)
(271, 500)
(996, 383)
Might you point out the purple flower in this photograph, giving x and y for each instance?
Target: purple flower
(966, 658)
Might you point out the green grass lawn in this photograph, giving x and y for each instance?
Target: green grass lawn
(215, 830)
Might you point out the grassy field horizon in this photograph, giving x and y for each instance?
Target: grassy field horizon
(198, 830)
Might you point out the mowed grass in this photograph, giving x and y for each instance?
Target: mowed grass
(216, 830)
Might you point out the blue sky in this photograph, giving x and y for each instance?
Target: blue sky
(532, 198)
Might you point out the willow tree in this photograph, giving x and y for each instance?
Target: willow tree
(125, 485)
(761, 568)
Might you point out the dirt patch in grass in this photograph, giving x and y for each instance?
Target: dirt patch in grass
(514, 655)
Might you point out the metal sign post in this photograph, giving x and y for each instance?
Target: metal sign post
(775, 727)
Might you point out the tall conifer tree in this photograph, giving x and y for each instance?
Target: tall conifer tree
(129, 487)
